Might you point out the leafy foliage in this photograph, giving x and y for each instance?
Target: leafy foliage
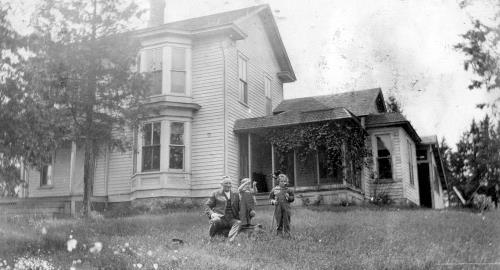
(393, 105)
(476, 160)
(81, 78)
(481, 46)
(334, 137)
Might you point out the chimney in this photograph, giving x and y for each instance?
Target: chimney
(156, 12)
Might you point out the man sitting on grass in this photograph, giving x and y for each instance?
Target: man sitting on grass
(223, 209)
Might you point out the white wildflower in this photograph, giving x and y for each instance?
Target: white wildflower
(127, 245)
(44, 231)
(72, 268)
(116, 252)
(96, 248)
(150, 253)
(155, 266)
(139, 265)
(71, 244)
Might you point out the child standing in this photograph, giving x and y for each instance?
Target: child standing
(281, 196)
(247, 202)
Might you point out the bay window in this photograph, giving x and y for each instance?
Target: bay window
(176, 153)
(151, 147)
(384, 156)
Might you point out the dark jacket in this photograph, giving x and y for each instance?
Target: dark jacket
(216, 203)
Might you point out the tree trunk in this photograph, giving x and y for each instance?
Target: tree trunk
(90, 142)
(88, 175)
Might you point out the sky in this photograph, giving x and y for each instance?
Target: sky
(405, 47)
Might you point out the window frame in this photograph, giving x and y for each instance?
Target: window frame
(46, 178)
(389, 158)
(243, 78)
(151, 145)
(268, 95)
(173, 145)
(178, 70)
(144, 69)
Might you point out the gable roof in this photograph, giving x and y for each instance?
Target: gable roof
(213, 20)
(227, 23)
(360, 103)
(293, 118)
(391, 120)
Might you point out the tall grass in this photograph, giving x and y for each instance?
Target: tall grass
(323, 238)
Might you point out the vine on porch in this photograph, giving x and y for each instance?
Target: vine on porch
(332, 137)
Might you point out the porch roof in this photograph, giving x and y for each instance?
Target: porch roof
(392, 120)
(361, 102)
(293, 118)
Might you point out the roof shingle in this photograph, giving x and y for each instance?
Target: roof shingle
(292, 118)
(360, 103)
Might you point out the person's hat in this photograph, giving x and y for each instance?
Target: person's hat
(244, 182)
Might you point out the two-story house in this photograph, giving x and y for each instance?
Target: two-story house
(217, 81)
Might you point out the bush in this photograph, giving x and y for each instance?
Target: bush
(482, 202)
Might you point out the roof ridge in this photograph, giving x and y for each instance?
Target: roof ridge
(216, 14)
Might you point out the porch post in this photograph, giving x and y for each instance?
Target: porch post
(249, 155)
(317, 167)
(272, 164)
(72, 166)
(295, 168)
(344, 163)
(71, 177)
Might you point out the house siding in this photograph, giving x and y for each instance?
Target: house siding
(208, 122)
(411, 191)
(394, 188)
(100, 174)
(60, 177)
(261, 62)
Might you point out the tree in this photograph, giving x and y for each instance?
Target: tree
(82, 78)
(481, 46)
(11, 124)
(393, 105)
(476, 160)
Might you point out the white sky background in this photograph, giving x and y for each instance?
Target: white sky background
(403, 46)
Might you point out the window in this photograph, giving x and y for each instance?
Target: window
(135, 150)
(176, 146)
(384, 159)
(410, 162)
(267, 92)
(151, 147)
(46, 175)
(178, 71)
(243, 84)
(152, 64)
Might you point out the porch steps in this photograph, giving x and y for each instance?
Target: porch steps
(262, 199)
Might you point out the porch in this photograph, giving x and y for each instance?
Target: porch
(311, 165)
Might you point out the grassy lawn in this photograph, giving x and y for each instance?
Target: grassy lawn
(323, 238)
